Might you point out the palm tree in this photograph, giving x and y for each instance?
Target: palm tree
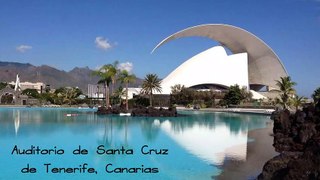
(114, 72)
(177, 88)
(150, 84)
(126, 78)
(297, 101)
(66, 95)
(316, 95)
(118, 94)
(286, 87)
(105, 73)
(70, 95)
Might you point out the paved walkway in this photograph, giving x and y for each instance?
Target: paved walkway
(233, 110)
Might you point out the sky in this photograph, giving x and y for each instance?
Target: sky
(79, 33)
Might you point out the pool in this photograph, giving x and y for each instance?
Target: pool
(67, 143)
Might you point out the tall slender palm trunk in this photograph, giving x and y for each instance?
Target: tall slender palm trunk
(112, 87)
(127, 105)
(107, 96)
(150, 99)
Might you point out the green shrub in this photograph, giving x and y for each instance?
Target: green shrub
(139, 101)
(203, 105)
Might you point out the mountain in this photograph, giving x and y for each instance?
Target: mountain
(77, 77)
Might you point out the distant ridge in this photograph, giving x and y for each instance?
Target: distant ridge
(3, 63)
(77, 77)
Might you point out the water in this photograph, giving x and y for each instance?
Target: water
(197, 143)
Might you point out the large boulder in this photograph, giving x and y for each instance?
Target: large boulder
(297, 139)
(154, 112)
(103, 110)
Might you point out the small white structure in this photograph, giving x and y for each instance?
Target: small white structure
(20, 86)
(256, 95)
(131, 92)
(17, 86)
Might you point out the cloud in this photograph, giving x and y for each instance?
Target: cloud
(128, 66)
(23, 48)
(102, 43)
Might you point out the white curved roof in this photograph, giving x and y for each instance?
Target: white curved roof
(212, 66)
(264, 66)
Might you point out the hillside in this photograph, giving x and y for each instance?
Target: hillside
(77, 77)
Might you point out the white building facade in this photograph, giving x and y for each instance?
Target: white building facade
(95, 91)
(39, 86)
(212, 66)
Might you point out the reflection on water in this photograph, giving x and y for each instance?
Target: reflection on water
(16, 114)
(197, 143)
(210, 145)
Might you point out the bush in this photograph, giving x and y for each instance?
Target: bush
(139, 101)
(316, 95)
(3, 85)
(203, 105)
(190, 96)
(222, 103)
(234, 95)
(31, 93)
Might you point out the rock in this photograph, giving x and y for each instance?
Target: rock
(104, 110)
(140, 111)
(317, 107)
(300, 115)
(281, 121)
(306, 132)
(297, 139)
(276, 167)
(153, 112)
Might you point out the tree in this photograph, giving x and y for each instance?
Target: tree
(247, 95)
(7, 98)
(177, 88)
(3, 85)
(297, 101)
(234, 95)
(106, 73)
(184, 97)
(69, 96)
(150, 84)
(113, 68)
(66, 95)
(31, 93)
(117, 95)
(47, 97)
(316, 95)
(287, 91)
(126, 78)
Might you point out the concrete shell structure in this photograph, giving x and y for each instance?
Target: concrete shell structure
(263, 65)
(212, 66)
